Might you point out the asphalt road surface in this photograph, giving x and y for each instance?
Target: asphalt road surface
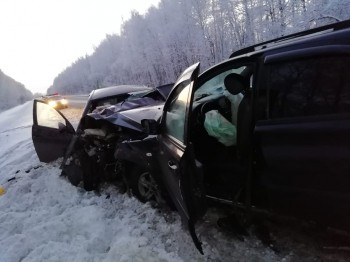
(76, 105)
(77, 101)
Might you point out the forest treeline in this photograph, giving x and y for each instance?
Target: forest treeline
(12, 93)
(154, 48)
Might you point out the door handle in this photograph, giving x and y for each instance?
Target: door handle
(172, 165)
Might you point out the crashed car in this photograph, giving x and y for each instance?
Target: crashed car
(107, 118)
(265, 132)
(55, 100)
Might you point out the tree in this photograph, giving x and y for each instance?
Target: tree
(154, 48)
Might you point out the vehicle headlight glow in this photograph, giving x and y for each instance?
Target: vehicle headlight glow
(52, 103)
(64, 101)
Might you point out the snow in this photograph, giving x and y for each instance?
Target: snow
(44, 218)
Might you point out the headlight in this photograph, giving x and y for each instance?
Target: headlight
(52, 103)
(64, 101)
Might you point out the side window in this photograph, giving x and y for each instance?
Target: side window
(215, 84)
(47, 116)
(215, 87)
(176, 113)
(313, 86)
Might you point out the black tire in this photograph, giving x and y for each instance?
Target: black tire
(143, 186)
(89, 171)
(73, 173)
(74, 178)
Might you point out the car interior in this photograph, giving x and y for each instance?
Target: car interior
(224, 165)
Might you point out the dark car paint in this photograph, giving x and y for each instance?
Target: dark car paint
(164, 90)
(182, 174)
(139, 152)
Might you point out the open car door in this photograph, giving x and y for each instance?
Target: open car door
(182, 174)
(51, 132)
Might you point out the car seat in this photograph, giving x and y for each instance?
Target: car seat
(236, 84)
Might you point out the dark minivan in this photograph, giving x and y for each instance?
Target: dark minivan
(268, 129)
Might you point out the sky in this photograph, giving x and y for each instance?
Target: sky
(44, 218)
(40, 38)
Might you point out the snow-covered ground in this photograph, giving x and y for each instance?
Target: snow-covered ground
(44, 218)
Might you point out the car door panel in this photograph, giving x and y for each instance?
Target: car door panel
(304, 142)
(306, 165)
(50, 141)
(169, 159)
(184, 184)
(181, 175)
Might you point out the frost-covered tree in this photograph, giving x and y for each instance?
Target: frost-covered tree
(154, 48)
(12, 93)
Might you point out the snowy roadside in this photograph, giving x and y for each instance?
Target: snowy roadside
(44, 218)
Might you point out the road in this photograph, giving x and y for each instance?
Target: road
(76, 105)
(76, 101)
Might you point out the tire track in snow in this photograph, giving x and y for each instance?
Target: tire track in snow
(20, 127)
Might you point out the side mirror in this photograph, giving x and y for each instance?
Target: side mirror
(61, 127)
(150, 126)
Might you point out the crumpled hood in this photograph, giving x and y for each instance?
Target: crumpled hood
(130, 118)
(125, 105)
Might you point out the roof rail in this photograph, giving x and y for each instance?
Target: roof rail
(292, 37)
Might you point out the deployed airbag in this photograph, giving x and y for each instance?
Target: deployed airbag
(219, 127)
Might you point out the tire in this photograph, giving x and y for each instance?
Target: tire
(73, 173)
(74, 178)
(143, 186)
(89, 170)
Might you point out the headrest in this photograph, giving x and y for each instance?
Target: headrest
(235, 83)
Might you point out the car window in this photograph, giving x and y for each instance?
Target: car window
(176, 112)
(215, 85)
(214, 88)
(47, 116)
(313, 86)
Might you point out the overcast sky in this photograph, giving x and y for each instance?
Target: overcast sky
(40, 38)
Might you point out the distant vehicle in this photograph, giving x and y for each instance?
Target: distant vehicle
(55, 100)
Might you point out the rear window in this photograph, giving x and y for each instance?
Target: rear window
(313, 86)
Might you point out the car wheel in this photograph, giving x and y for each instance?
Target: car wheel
(73, 173)
(143, 185)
